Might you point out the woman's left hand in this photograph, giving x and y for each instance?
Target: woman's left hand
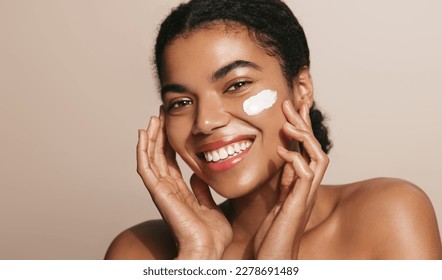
(280, 234)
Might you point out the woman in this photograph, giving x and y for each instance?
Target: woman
(238, 108)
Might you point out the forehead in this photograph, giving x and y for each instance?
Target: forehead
(206, 49)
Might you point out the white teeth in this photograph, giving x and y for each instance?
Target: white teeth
(226, 151)
(230, 150)
(243, 146)
(237, 147)
(223, 153)
(208, 156)
(215, 156)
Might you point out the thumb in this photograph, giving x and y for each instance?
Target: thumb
(201, 191)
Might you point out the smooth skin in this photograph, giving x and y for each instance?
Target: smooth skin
(276, 207)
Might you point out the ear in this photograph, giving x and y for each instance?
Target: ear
(303, 89)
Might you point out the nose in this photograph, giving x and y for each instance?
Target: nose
(210, 115)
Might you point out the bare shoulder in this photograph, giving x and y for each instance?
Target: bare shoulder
(392, 218)
(148, 240)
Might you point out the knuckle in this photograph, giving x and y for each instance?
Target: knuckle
(142, 168)
(310, 136)
(309, 175)
(304, 135)
(324, 159)
(139, 149)
(286, 180)
(140, 171)
(297, 157)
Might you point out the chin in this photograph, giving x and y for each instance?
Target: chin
(245, 182)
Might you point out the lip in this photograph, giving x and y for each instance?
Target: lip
(223, 142)
(228, 163)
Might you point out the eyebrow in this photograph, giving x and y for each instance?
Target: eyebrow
(223, 71)
(217, 75)
(173, 88)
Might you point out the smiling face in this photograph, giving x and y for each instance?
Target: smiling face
(207, 75)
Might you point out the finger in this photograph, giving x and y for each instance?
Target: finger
(303, 184)
(202, 192)
(152, 136)
(318, 160)
(147, 175)
(275, 237)
(304, 154)
(291, 219)
(160, 158)
(311, 150)
(310, 144)
(294, 118)
(303, 120)
(288, 179)
(305, 115)
(288, 223)
(169, 152)
(174, 168)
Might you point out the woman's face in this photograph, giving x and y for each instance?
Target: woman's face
(207, 77)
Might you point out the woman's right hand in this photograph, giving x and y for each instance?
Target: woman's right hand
(200, 228)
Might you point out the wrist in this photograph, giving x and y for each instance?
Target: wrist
(193, 257)
(198, 255)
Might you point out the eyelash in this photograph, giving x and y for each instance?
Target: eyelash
(238, 85)
(186, 102)
(179, 104)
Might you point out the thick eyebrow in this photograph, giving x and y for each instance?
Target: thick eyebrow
(172, 88)
(223, 71)
(218, 74)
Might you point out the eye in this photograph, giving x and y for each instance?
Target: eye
(181, 103)
(238, 85)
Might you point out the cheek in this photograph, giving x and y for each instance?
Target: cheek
(270, 121)
(176, 132)
(256, 108)
(260, 102)
(264, 111)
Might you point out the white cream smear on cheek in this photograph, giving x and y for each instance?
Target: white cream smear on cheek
(259, 102)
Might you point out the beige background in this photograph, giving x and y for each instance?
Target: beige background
(76, 83)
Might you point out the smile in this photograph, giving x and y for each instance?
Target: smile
(227, 151)
(224, 154)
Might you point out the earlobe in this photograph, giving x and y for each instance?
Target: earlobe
(303, 89)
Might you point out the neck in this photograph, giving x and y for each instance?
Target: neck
(247, 213)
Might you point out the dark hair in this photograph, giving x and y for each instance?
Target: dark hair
(269, 22)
